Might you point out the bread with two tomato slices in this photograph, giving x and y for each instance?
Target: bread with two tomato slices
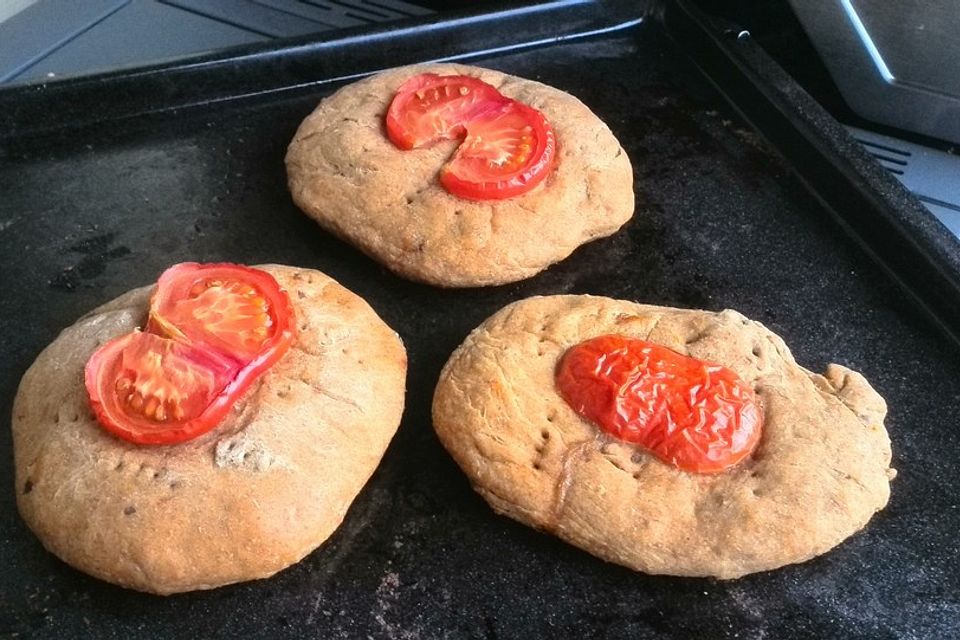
(109, 489)
(459, 176)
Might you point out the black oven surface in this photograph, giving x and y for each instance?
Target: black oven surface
(722, 221)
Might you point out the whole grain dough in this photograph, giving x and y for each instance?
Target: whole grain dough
(345, 173)
(252, 496)
(819, 473)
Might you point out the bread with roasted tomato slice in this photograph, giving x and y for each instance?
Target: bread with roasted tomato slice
(254, 494)
(758, 463)
(383, 163)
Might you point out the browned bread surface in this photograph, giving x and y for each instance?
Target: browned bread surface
(820, 471)
(345, 173)
(254, 495)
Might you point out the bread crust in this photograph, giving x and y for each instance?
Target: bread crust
(345, 173)
(819, 473)
(254, 495)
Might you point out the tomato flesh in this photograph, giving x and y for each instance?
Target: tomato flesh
(698, 416)
(213, 330)
(153, 390)
(428, 108)
(508, 147)
(232, 309)
(506, 153)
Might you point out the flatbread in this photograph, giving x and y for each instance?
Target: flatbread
(345, 173)
(820, 471)
(255, 495)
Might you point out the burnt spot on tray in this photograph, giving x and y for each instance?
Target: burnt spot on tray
(129, 510)
(97, 252)
(27, 486)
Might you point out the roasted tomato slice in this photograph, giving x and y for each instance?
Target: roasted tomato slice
(154, 390)
(696, 415)
(428, 108)
(507, 152)
(213, 330)
(508, 149)
(235, 310)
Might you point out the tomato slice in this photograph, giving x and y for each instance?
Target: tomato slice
(154, 390)
(428, 108)
(232, 309)
(696, 415)
(212, 331)
(509, 147)
(506, 153)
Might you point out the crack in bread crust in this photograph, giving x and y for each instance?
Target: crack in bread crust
(820, 472)
(572, 457)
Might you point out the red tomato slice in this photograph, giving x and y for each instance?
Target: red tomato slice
(506, 152)
(235, 310)
(509, 147)
(153, 390)
(428, 108)
(698, 416)
(213, 330)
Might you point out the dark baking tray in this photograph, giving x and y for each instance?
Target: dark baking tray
(107, 180)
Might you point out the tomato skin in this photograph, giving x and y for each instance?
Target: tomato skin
(508, 148)
(698, 416)
(179, 379)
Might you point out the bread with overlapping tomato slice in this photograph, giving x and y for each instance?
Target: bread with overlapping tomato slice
(459, 176)
(210, 429)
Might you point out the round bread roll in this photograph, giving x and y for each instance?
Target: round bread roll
(818, 474)
(256, 494)
(345, 173)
